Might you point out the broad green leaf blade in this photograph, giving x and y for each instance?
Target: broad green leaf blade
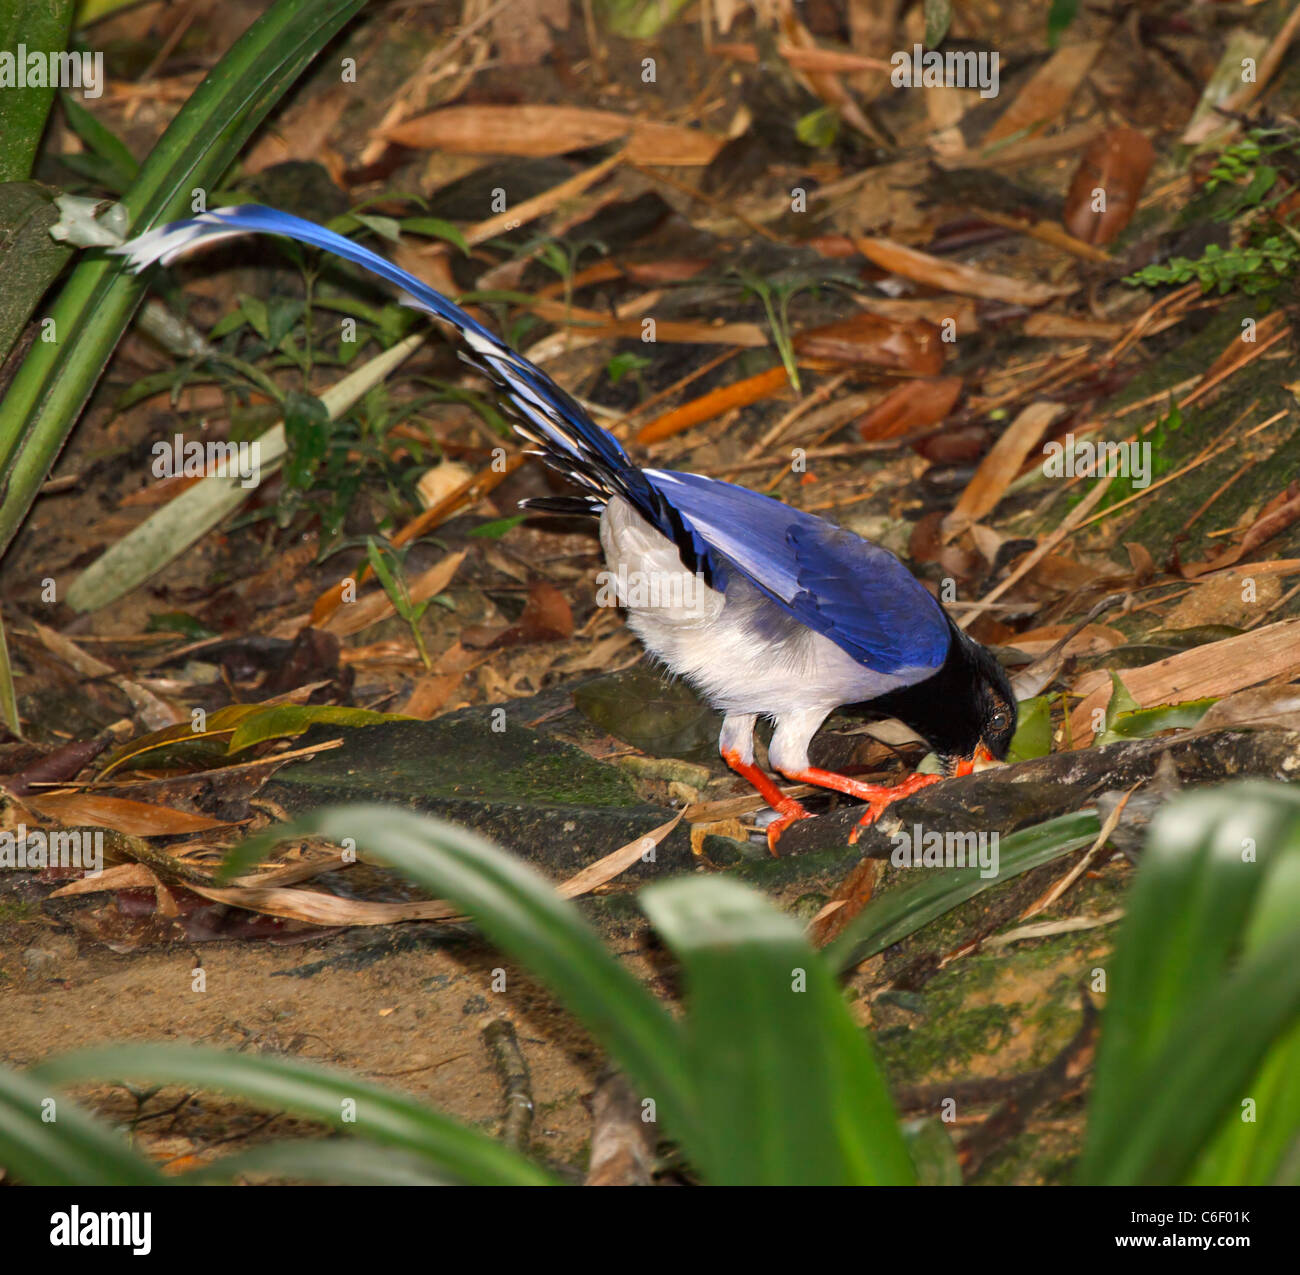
(1219, 882)
(283, 720)
(519, 910)
(894, 915)
(342, 1161)
(380, 1115)
(792, 1092)
(72, 1149)
(40, 26)
(1033, 736)
(29, 259)
(93, 308)
(1205, 1063)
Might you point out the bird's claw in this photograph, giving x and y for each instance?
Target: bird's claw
(882, 798)
(778, 826)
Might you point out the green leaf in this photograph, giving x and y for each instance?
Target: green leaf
(72, 1149)
(497, 528)
(895, 914)
(1033, 737)
(938, 18)
(436, 228)
(286, 720)
(381, 1115)
(346, 1161)
(42, 26)
(520, 912)
(1218, 890)
(1142, 723)
(29, 259)
(121, 165)
(791, 1088)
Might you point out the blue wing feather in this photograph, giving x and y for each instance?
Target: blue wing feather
(853, 592)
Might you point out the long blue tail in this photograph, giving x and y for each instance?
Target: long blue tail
(570, 440)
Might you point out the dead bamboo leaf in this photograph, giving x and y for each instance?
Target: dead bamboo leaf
(952, 276)
(554, 130)
(132, 818)
(1047, 92)
(998, 469)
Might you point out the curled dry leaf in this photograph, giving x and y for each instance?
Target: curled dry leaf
(1107, 185)
(911, 405)
(902, 345)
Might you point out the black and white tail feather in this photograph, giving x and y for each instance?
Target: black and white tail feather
(564, 434)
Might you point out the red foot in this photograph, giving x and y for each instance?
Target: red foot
(878, 797)
(789, 809)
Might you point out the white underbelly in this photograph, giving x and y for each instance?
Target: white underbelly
(743, 652)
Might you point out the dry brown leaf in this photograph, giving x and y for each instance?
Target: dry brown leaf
(952, 276)
(1262, 706)
(1112, 172)
(1072, 327)
(155, 713)
(1092, 640)
(132, 818)
(907, 345)
(547, 617)
(1000, 467)
(911, 405)
(1047, 92)
(375, 606)
(554, 130)
(327, 909)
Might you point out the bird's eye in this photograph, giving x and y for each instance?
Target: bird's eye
(998, 721)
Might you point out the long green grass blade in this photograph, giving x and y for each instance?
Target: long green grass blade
(792, 1092)
(333, 1097)
(46, 1140)
(894, 915)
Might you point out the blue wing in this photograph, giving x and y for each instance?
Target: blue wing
(853, 592)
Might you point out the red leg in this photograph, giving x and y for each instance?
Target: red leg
(877, 796)
(789, 809)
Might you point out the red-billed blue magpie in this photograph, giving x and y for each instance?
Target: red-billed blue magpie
(768, 611)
